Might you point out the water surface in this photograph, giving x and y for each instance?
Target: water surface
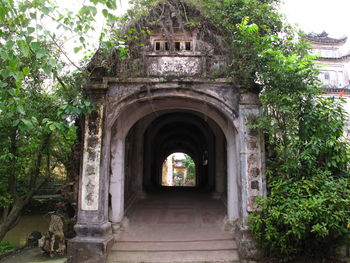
(27, 224)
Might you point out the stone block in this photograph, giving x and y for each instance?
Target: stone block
(247, 246)
(174, 66)
(89, 250)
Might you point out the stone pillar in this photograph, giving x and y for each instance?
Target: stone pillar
(93, 230)
(233, 198)
(117, 182)
(252, 153)
(219, 164)
(252, 160)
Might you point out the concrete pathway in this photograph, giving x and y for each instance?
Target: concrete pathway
(32, 255)
(177, 226)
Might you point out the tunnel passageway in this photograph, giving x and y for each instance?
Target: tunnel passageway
(174, 221)
(153, 138)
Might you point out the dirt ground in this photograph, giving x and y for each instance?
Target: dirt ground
(32, 255)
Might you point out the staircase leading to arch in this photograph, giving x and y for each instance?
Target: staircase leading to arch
(175, 227)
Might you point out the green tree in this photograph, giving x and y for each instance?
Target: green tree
(307, 208)
(190, 167)
(38, 103)
(307, 211)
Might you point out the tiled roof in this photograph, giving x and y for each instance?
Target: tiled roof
(324, 38)
(342, 58)
(333, 90)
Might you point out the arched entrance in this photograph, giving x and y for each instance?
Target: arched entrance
(174, 131)
(160, 218)
(165, 96)
(164, 126)
(137, 123)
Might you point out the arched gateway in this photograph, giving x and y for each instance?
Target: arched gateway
(170, 102)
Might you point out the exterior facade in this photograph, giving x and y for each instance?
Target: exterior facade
(334, 60)
(334, 63)
(165, 98)
(168, 97)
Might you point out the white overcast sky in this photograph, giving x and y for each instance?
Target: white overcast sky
(333, 16)
(311, 15)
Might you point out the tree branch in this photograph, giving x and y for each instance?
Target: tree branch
(64, 53)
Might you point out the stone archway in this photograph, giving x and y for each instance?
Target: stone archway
(121, 104)
(177, 69)
(124, 123)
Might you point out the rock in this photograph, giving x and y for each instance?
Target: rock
(34, 238)
(54, 243)
(247, 245)
(249, 250)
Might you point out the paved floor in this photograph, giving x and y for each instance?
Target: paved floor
(175, 226)
(175, 215)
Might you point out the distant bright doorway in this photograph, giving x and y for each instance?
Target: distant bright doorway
(179, 170)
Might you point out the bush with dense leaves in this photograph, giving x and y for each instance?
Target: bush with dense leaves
(307, 212)
(309, 216)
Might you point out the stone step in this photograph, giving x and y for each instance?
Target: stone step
(219, 256)
(201, 245)
(173, 233)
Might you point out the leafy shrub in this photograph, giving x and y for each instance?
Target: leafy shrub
(307, 211)
(4, 246)
(309, 216)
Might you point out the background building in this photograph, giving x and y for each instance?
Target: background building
(334, 62)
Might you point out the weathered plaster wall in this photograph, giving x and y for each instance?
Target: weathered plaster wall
(93, 231)
(129, 101)
(252, 153)
(218, 92)
(91, 161)
(167, 99)
(174, 66)
(131, 156)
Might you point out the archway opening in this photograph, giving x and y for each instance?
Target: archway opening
(197, 148)
(141, 144)
(175, 176)
(179, 170)
(184, 132)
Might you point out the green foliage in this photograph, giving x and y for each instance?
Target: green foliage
(250, 27)
(307, 216)
(307, 208)
(40, 100)
(180, 175)
(191, 24)
(190, 166)
(307, 211)
(4, 246)
(323, 146)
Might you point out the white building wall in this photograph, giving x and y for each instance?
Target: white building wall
(335, 70)
(333, 62)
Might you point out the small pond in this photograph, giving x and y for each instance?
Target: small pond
(27, 224)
